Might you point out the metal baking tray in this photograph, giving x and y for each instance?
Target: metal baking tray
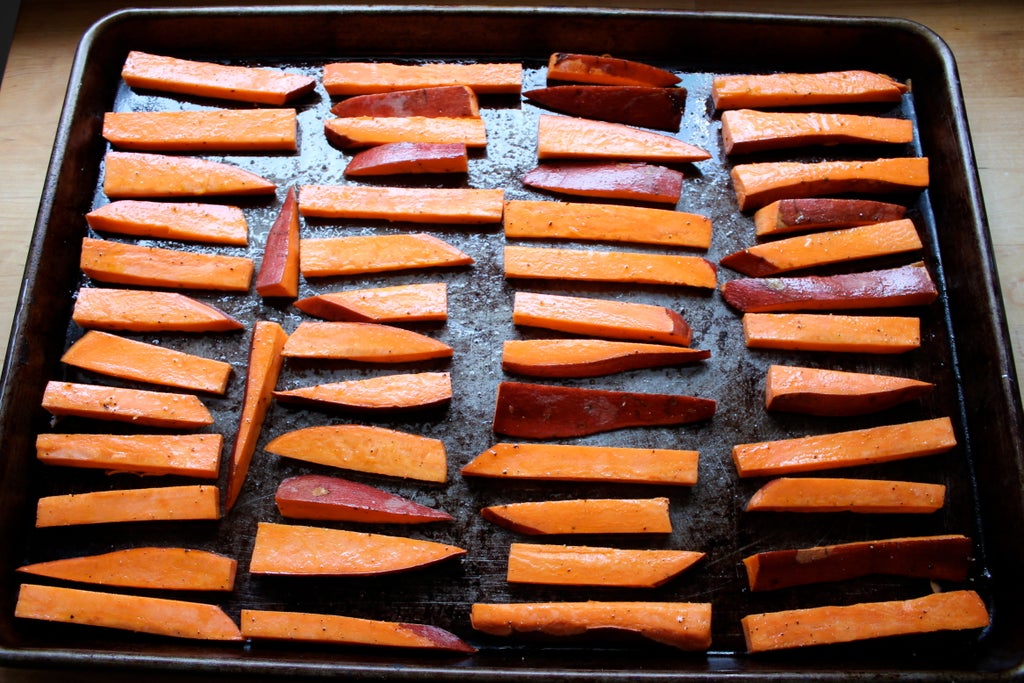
(965, 352)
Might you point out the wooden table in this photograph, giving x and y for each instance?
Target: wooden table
(986, 37)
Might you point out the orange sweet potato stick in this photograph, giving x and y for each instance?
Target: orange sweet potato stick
(816, 213)
(145, 567)
(845, 449)
(357, 132)
(109, 354)
(803, 89)
(953, 610)
(365, 342)
(409, 157)
(623, 180)
(828, 332)
(141, 614)
(314, 551)
(208, 79)
(590, 357)
(820, 391)
(165, 503)
(606, 70)
(360, 254)
(525, 219)
(583, 516)
(419, 302)
(407, 391)
(132, 264)
(609, 266)
(224, 130)
(442, 101)
(748, 130)
(189, 221)
(189, 455)
(279, 270)
(868, 496)
(147, 311)
(359, 78)
(118, 404)
(569, 137)
(414, 205)
(573, 462)
(315, 496)
(265, 361)
(561, 565)
(138, 175)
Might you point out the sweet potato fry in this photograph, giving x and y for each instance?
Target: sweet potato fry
(629, 180)
(868, 496)
(832, 332)
(138, 175)
(645, 106)
(132, 264)
(443, 101)
(359, 78)
(164, 503)
(117, 404)
(360, 254)
(818, 391)
(590, 357)
(341, 630)
(314, 496)
(141, 614)
(409, 157)
(366, 449)
(413, 205)
(221, 130)
(427, 301)
(279, 270)
(364, 342)
(137, 310)
(803, 89)
(685, 625)
(845, 449)
(295, 550)
(357, 132)
(526, 219)
(939, 558)
(188, 455)
(609, 266)
(583, 516)
(207, 79)
(572, 462)
(816, 213)
(570, 137)
(388, 393)
(561, 565)
(145, 567)
(953, 610)
(188, 221)
(749, 130)
(115, 356)
(606, 70)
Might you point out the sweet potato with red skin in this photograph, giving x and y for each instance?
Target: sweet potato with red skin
(360, 254)
(360, 78)
(409, 157)
(133, 264)
(388, 393)
(141, 175)
(865, 496)
(832, 332)
(540, 411)
(358, 132)
(748, 130)
(606, 70)
(187, 455)
(164, 503)
(560, 565)
(815, 391)
(939, 558)
(189, 221)
(633, 181)
(314, 496)
(364, 342)
(547, 263)
(803, 89)
(633, 105)
(413, 204)
(279, 270)
(444, 101)
(590, 357)
(145, 567)
(817, 213)
(294, 550)
(225, 130)
(119, 404)
(137, 310)
(583, 516)
(418, 302)
(570, 137)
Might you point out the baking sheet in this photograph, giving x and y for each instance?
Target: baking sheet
(965, 351)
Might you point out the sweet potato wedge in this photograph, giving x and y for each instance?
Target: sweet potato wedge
(187, 455)
(590, 357)
(221, 130)
(387, 393)
(832, 332)
(115, 356)
(279, 270)
(420, 302)
(342, 630)
(609, 266)
(364, 342)
(187, 221)
(358, 132)
(137, 310)
(803, 89)
(818, 391)
(939, 558)
(583, 516)
(629, 180)
(443, 101)
(570, 137)
(138, 175)
(145, 567)
(561, 565)
(572, 462)
(866, 496)
(409, 157)
(845, 449)
(141, 614)
(606, 70)
(207, 79)
(525, 219)
(164, 503)
(413, 204)
(645, 106)
(748, 130)
(360, 78)
(132, 264)
(817, 213)
(118, 404)
(314, 496)
(360, 254)
(684, 625)
(909, 285)
(289, 549)
(366, 449)
(264, 366)
(540, 411)
(759, 184)
(597, 317)
(953, 610)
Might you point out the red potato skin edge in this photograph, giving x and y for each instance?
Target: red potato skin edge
(344, 500)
